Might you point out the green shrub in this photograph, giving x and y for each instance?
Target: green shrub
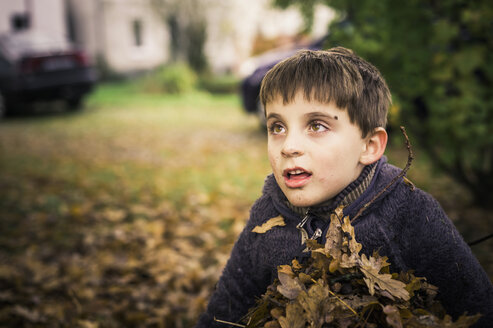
(220, 84)
(174, 79)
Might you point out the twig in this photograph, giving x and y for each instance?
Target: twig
(472, 243)
(229, 323)
(347, 305)
(410, 158)
(340, 300)
(368, 316)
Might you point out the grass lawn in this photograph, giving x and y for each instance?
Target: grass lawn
(123, 214)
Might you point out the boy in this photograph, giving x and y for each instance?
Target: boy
(326, 112)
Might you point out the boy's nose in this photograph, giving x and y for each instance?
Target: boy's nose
(291, 152)
(291, 148)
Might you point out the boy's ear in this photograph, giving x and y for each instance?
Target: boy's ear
(375, 145)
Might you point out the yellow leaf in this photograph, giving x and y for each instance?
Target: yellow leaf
(296, 265)
(334, 265)
(286, 269)
(271, 223)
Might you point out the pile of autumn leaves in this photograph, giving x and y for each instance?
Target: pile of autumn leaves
(339, 287)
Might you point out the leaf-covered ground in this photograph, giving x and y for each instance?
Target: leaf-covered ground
(125, 213)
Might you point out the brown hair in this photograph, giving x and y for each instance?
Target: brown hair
(337, 75)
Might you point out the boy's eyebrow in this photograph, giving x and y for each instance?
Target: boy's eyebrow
(321, 114)
(307, 115)
(273, 115)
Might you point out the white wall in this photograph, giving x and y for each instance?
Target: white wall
(104, 27)
(7, 8)
(121, 51)
(47, 16)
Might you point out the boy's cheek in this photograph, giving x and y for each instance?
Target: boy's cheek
(271, 155)
(273, 163)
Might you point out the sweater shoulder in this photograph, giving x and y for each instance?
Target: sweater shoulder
(405, 191)
(402, 202)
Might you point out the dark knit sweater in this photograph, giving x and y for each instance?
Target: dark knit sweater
(408, 226)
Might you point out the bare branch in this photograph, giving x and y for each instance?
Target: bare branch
(410, 158)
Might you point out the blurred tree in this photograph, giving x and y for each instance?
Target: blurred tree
(436, 57)
(186, 21)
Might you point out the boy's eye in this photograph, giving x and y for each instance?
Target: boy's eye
(317, 127)
(276, 128)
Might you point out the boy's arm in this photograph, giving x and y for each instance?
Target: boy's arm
(440, 254)
(239, 285)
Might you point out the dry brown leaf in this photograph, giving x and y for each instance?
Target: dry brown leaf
(353, 245)
(290, 287)
(334, 265)
(271, 223)
(285, 269)
(393, 316)
(276, 313)
(333, 244)
(295, 264)
(272, 324)
(383, 281)
(294, 317)
(349, 261)
(313, 303)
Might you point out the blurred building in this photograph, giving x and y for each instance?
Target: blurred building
(235, 26)
(126, 36)
(47, 16)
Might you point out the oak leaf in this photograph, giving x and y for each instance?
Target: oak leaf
(271, 223)
(313, 302)
(276, 313)
(333, 244)
(290, 286)
(285, 269)
(383, 281)
(294, 317)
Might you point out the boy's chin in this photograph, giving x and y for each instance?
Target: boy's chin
(300, 202)
(305, 200)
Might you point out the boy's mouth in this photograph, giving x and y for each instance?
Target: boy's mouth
(296, 177)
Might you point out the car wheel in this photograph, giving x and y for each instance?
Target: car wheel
(3, 106)
(74, 103)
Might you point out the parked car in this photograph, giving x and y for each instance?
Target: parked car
(35, 67)
(250, 86)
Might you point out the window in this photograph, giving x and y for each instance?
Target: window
(137, 32)
(19, 22)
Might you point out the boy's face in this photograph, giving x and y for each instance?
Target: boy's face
(314, 149)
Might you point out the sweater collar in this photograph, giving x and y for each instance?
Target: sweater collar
(279, 200)
(347, 196)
